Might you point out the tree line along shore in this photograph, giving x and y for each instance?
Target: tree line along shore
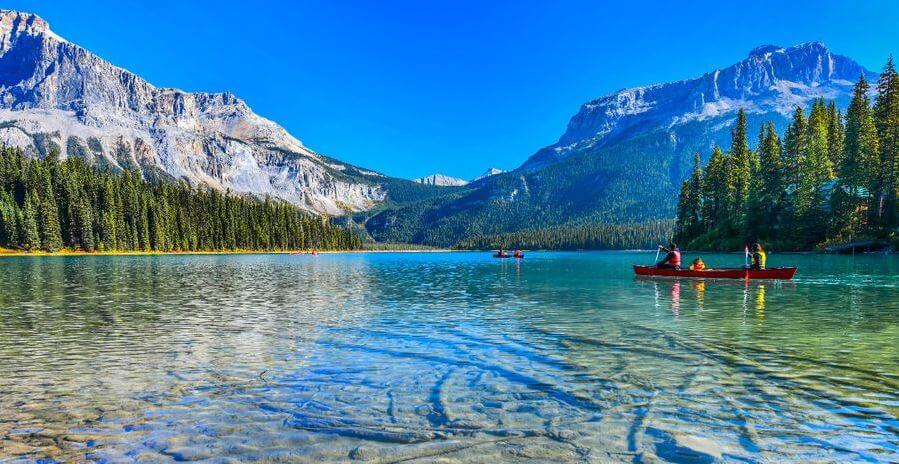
(52, 206)
(829, 179)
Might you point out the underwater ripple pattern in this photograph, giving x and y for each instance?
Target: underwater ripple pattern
(427, 357)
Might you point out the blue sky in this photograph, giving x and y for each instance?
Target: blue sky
(412, 88)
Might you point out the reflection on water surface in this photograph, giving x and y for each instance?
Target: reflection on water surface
(453, 357)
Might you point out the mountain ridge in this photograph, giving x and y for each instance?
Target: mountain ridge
(441, 180)
(56, 95)
(769, 79)
(623, 155)
(491, 171)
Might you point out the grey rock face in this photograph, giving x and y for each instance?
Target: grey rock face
(771, 82)
(488, 173)
(57, 95)
(441, 180)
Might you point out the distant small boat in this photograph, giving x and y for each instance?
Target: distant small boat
(779, 273)
(503, 256)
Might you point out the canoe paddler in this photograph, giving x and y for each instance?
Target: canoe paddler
(758, 257)
(698, 265)
(672, 257)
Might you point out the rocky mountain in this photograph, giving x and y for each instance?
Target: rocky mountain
(624, 155)
(489, 172)
(441, 181)
(770, 83)
(57, 95)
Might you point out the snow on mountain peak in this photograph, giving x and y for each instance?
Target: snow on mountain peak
(765, 50)
(771, 78)
(769, 83)
(441, 180)
(489, 172)
(14, 23)
(55, 95)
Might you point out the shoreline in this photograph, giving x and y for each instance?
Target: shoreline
(15, 253)
(6, 252)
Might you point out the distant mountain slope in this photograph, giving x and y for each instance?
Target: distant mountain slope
(57, 95)
(489, 172)
(623, 156)
(769, 83)
(441, 180)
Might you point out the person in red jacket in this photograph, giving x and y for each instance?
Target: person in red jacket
(672, 257)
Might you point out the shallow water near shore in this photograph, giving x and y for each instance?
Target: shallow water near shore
(448, 357)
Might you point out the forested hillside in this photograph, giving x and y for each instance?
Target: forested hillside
(623, 156)
(51, 205)
(827, 179)
(582, 188)
(595, 237)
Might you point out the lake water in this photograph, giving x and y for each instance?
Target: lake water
(447, 357)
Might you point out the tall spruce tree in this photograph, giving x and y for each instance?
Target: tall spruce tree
(715, 191)
(794, 146)
(689, 213)
(815, 172)
(769, 185)
(682, 224)
(9, 215)
(886, 119)
(835, 133)
(30, 234)
(51, 234)
(694, 210)
(741, 168)
(859, 166)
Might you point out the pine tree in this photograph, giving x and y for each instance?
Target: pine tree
(82, 224)
(715, 190)
(108, 223)
(794, 146)
(768, 187)
(886, 119)
(741, 167)
(30, 234)
(694, 209)
(815, 171)
(835, 134)
(51, 236)
(9, 214)
(860, 164)
(682, 224)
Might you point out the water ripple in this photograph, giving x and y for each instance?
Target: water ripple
(444, 357)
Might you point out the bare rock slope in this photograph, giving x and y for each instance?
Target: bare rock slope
(57, 95)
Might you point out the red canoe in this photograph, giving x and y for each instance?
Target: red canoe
(783, 273)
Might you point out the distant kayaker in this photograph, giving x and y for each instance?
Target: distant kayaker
(672, 257)
(698, 265)
(758, 257)
(500, 253)
(518, 253)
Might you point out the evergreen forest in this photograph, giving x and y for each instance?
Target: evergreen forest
(52, 205)
(829, 178)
